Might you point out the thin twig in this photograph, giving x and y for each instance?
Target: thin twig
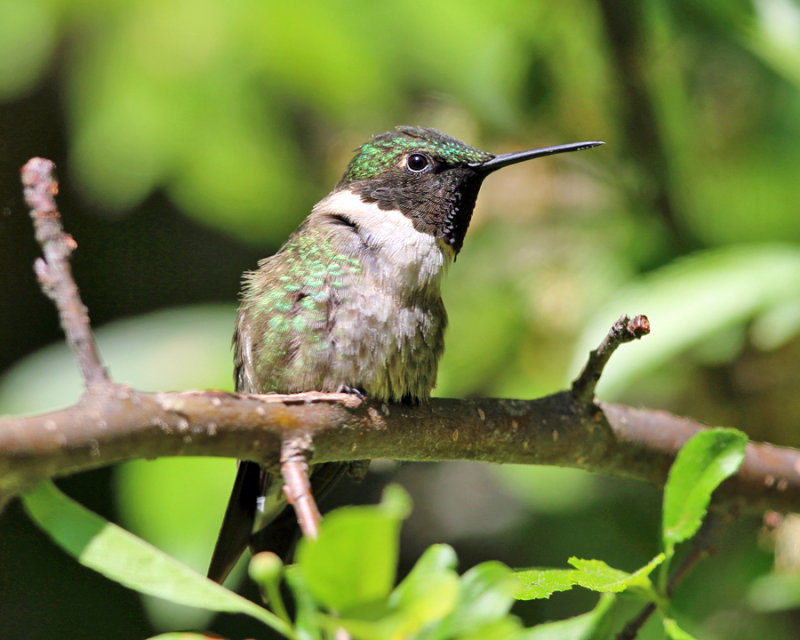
(54, 271)
(297, 487)
(631, 629)
(624, 330)
(703, 544)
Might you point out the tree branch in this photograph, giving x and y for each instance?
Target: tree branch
(54, 272)
(117, 424)
(624, 330)
(297, 485)
(113, 423)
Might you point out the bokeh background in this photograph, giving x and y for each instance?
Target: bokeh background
(192, 136)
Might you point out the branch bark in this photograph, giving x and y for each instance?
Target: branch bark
(113, 423)
(54, 271)
(116, 423)
(622, 331)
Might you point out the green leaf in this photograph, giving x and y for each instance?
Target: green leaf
(130, 561)
(395, 502)
(353, 562)
(179, 348)
(306, 617)
(674, 632)
(707, 459)
(432, 603)
(598, 576)
(542, 583)
(506, 628)
(428, 602)
(485, 596)
(588, 626)
(428, 594)
(590, 574)
(156, 498)
(437, 560)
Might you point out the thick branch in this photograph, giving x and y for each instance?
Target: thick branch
(113, 423)
(116, 424)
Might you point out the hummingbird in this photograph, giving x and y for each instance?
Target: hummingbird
(352, 303)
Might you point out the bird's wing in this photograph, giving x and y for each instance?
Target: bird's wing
(251, 478)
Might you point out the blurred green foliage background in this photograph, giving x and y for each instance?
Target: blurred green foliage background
(192, 137)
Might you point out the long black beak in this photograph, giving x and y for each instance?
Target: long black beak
(520, 156)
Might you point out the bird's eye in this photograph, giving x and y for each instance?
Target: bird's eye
(417, 162)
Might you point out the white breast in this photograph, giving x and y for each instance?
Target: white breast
(416, 258)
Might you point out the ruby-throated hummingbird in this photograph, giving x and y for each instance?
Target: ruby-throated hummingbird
(351, 303)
